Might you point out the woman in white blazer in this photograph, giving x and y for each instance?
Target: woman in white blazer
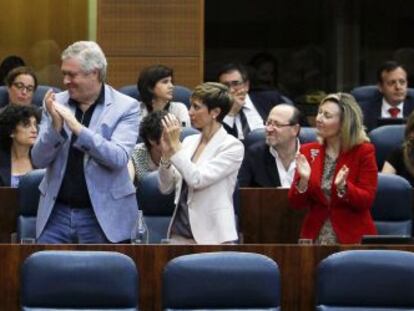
(202, 170)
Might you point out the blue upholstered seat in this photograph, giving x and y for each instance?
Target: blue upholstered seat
(392, 209)
(366, 280)
(222, 280)
(28, 202)
(385, 139)
(306, 135)
(79, 280)
(181, 93)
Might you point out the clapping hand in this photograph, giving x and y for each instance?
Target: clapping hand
(170, 139)
(341, 176)
(50, 104)
(69, 118)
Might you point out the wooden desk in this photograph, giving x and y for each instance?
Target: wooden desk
(296, 263)
(265, 216)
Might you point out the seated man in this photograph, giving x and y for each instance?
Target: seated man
(394, 102)
(271, 163)
(248, 110)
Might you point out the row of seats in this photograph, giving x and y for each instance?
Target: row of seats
(392, 209)
(181, 94)
(364, 280)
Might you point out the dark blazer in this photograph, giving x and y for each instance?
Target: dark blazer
(372, 110)
(258, 168)
(350, 215)
(263, 101)
(5, 168)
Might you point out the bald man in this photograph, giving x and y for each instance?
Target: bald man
(271, 163)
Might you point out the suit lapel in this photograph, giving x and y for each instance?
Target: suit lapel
(100, 110)
(271, 168)
(211, 146)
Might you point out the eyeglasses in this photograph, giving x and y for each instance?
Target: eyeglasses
(274, 124)
(73, 74)
(235, 84)
(20, 86)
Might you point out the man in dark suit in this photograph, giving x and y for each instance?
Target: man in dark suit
(394, 102)
(249, 110)
(271, 162)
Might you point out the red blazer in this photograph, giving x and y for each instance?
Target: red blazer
(350, 216)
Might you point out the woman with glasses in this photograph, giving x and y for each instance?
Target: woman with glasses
(18, 133)
(21, 84)
(202, 170)
(336, 178)
(155, 85)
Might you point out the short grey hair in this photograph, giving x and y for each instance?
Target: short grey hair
(90, 56)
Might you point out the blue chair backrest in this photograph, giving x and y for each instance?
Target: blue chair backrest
(306, 135)
(37, 96)
(222, 280)
(79, 280)
(385, 139)
(392, 209)
(371, 92)
(181, 93)
(156, 207)
(28, 202)
(366, 280)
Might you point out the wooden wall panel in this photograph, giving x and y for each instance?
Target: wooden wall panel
(135, 34)
(39, 30)
(124, 70)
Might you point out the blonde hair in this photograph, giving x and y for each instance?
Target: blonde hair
(408, 145)
(352, 130)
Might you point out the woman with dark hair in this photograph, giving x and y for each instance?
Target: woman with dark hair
(401, 160)
(21, 84)
(9, 63)
(18, 133)
(155, 85)
(147, 155)
(202, 170)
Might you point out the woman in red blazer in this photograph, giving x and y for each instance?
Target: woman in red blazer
(336, 178)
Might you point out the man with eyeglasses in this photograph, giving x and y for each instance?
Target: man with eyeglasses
(86, 137)
(271, 162)
(395, 102)
(248, 110)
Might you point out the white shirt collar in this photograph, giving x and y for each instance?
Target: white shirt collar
(386, 106)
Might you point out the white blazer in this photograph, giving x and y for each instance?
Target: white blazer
(211, 182)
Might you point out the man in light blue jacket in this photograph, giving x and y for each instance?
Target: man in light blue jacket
(86, 136)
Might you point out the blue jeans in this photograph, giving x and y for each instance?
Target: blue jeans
(72, 225)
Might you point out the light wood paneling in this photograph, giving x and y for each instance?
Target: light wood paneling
(39, 30)
(136, 34)
(124, 70)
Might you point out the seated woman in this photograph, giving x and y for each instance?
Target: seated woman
(202, 170)
(401, 160)
(18, 132)
(336, 178)
(147, 155)
(155, 85)
(21, 85)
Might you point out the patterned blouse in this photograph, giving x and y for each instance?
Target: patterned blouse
(143, 164)
(327, 235)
